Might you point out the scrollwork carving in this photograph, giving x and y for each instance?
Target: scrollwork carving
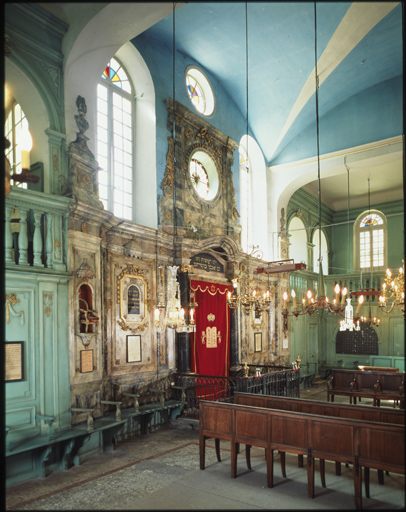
(168, 181)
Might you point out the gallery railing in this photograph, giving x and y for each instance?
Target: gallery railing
(35, 231)
(193, 388)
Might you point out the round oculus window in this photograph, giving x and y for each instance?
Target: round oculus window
(203, 175)
(200, 91)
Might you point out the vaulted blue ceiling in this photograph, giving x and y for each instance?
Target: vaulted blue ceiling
(359, 60)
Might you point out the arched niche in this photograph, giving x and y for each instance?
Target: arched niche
(87, 316)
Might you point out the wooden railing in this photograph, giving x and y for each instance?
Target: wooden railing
(35, 230)
(193, 388)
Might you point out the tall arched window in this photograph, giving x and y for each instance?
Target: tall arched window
(15, 126)
(245, 198)
(370, 240)
(253, 214)
(115, 140)
(297, 240)
(323, 252)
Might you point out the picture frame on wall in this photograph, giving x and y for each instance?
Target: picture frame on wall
(86, 361)
(134, 348)
(14, 361)
(258, 341)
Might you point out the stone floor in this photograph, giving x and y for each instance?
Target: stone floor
(160, 471)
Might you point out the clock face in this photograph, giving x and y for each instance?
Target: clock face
(203, 175)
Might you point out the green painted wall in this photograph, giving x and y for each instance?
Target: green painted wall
(312, 337)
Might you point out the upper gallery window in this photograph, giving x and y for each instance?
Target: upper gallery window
(16, 131)
(370, 235)
(115, 140)
(200, 91)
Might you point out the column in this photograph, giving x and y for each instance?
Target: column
(310, 260)
(8, 237)
(183, 338)
(234, 352)
(49, 242)
(183, 351)
(37, 239)
(23, 238)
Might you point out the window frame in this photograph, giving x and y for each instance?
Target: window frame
(110, 203)
(357, 241)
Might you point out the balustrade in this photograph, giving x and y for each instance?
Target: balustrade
(35, 230)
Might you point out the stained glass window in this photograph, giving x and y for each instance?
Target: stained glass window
(371, 220)
(115, 140)
(199, 91)
(115, 74)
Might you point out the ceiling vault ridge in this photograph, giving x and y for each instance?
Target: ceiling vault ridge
(359, 20)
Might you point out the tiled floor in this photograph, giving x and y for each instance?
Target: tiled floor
(161, 472)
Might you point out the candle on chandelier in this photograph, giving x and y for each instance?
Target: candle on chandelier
(360, 301)
(182, 314)
(294, 300)
(192, 313)
(229, 295)
(344, 293)
(337, 290)
(285, 300)
(157, 312)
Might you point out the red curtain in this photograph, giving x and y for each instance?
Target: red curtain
(210, 351)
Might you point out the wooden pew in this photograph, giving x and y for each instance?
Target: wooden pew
(367, 413)
(333, 438)
(378, 385)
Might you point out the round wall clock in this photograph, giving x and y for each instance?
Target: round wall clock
(204, 175)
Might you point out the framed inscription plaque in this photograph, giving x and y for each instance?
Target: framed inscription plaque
(134, 348)
(86, 361)
(14, 361)
(258, 341)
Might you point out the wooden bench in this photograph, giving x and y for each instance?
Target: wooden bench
(376, 385)
(362, 443)
(380, 415)
(59, 448)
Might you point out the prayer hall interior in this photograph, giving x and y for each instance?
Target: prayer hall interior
(204, 255)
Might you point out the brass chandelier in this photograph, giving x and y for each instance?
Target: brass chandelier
(393, 291)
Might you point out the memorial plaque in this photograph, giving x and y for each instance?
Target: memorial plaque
(14, 361)
(206, 262)
(134, 348)
(258, 341)
(86, 361)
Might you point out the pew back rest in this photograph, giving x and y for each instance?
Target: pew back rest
(392, 381)
(357, 412)
(330, 438)
(342, 379)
